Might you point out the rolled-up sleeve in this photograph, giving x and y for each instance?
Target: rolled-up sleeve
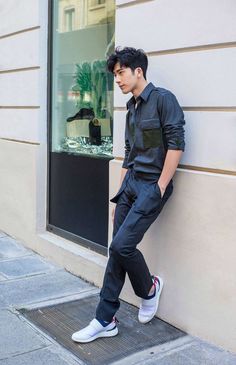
(172, 118)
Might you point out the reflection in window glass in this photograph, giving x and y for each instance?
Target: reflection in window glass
(69, 19)
(82, 89)
(97, 2)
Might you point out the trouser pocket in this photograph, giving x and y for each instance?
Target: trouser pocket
(122, 187)
(148, 200)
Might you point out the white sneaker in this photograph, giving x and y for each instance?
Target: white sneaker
(94, 330)
(148, 307)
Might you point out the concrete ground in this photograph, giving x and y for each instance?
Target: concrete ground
(29, 281)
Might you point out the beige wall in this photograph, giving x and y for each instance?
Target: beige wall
(192, 247)
(191, 50)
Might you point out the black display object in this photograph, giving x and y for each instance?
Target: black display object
(78, 198)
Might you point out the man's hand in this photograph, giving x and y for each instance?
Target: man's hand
(170, 165)
(162, 190)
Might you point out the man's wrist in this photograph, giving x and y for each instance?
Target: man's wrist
(162, 185)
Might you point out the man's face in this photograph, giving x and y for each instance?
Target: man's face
(125, 78)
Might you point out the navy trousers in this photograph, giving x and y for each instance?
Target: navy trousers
(138, 204)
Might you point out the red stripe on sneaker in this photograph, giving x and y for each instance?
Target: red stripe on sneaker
(156, 280)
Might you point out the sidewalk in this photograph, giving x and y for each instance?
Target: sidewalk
(29, 281)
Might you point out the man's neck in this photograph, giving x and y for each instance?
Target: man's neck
(136, 92)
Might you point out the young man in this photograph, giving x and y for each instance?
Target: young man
(154, 142)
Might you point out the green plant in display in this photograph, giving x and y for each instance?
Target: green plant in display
(91, 80)
(83, 84)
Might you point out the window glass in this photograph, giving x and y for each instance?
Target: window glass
(82, 89)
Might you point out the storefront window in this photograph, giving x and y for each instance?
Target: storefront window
(80, 119)
(82, 88)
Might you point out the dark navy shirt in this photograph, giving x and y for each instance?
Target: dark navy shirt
(154, 126)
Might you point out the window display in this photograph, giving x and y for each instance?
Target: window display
(82, 97)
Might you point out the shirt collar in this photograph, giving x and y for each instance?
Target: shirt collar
(144, 94)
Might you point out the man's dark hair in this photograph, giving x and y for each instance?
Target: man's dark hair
(128, 57)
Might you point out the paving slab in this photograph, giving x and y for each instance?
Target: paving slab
(25, 266)
(45, 356)
(2, 277)
(9, 248)
(156, 351)
(17, 336)
(40, 288)
(198, 353)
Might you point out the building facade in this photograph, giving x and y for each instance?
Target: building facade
(62, 144)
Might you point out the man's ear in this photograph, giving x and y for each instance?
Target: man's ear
(139, 72)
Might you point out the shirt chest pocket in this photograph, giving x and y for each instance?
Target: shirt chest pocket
(151, 132)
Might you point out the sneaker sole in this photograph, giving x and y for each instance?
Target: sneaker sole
(110, 333)
(157, 304)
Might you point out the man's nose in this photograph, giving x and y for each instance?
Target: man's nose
(117, 79)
